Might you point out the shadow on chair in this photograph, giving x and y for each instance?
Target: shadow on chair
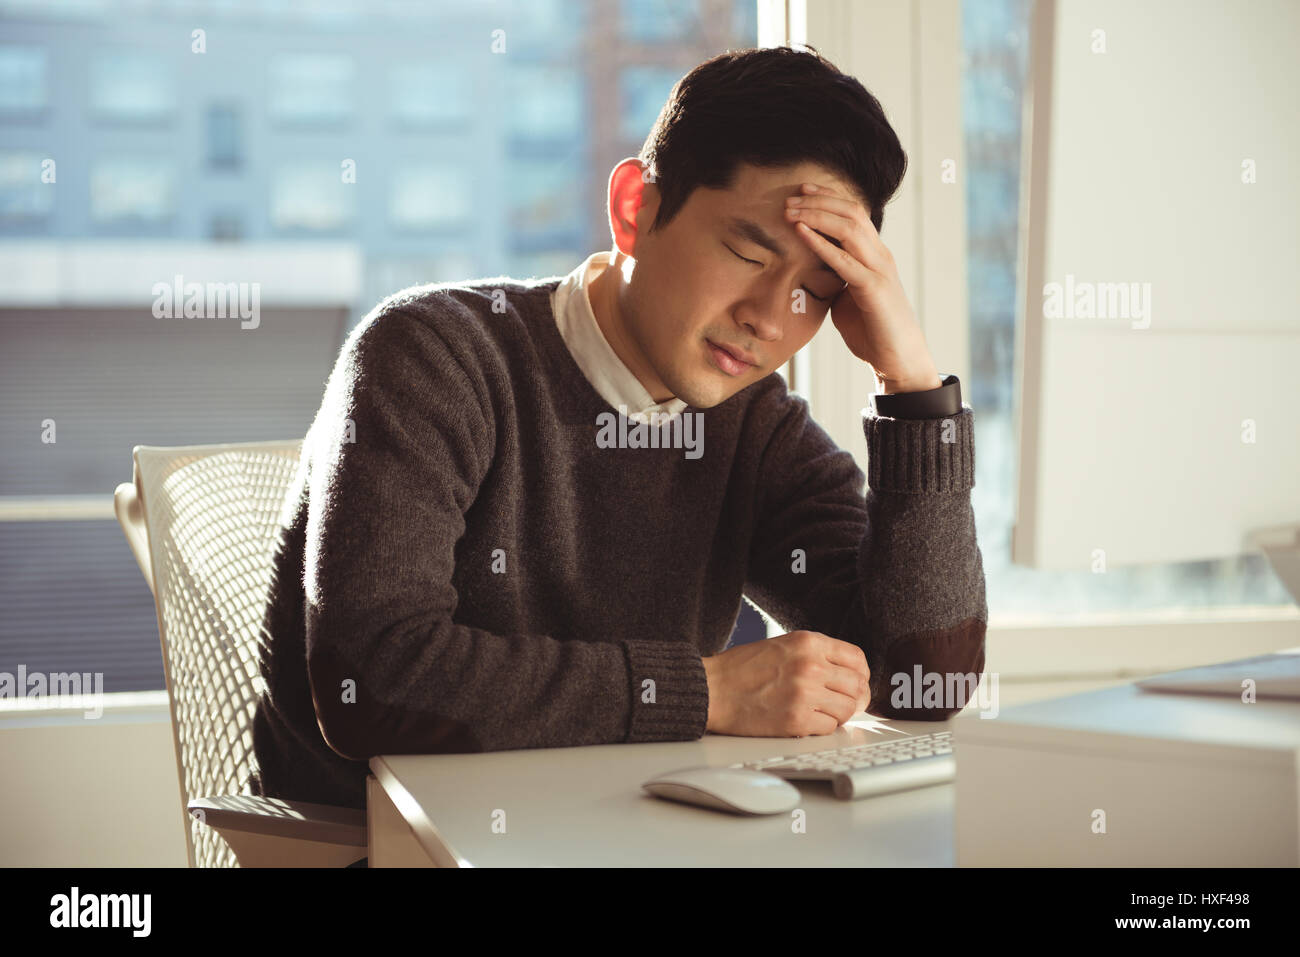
(203, 522)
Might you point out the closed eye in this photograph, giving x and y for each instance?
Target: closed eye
(756, 263)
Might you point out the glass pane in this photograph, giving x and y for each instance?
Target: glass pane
(311, 195)
(996, 43)
(224, 145)
(401, 131)
(23, 196)
(656, 21)
(23, 83)
(546, 103)
(131, 87)
(643, 91)
(425, 197)
(130, 191)
(430, 94)
(311, 88)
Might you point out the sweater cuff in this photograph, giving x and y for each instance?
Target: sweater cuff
(676, 706)
(926, 404)
(920, 455)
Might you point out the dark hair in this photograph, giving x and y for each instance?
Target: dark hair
(773, 106)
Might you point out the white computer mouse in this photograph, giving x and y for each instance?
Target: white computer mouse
(739, 790)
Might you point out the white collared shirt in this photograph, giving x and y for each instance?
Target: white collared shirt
(571, 303)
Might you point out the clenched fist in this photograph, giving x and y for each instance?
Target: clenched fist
(792, 685)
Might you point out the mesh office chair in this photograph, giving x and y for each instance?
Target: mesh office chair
(202, 521)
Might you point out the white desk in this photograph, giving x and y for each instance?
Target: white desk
(580, 807)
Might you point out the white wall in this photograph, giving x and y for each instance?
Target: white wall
(78, 792)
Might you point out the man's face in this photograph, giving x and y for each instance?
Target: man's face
(691, 289)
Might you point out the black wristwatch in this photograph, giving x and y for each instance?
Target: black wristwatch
(927, 404)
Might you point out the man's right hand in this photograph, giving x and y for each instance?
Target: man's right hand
(792, 685)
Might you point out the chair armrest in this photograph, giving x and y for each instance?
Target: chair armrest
(272, 816)
(130, 515)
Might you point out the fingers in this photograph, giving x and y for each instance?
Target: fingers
(847, 208)
(832, 682)
(839, 706)
(856, 262)
(849, 672)
(850, 682)
(845, 221)
(823, 723)
(844, 653)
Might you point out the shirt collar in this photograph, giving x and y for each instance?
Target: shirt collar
(614, 381)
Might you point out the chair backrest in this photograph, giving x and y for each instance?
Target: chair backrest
(213, 514)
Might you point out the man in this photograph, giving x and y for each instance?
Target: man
(496, 542)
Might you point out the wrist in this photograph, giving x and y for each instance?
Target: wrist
(710, 679)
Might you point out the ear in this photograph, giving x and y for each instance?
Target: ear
(633, 203)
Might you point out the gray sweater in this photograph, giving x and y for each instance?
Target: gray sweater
(468, 563)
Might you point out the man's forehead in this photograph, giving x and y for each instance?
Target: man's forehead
(746, 224)
(784, 180)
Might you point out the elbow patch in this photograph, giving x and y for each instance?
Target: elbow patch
(930, 675)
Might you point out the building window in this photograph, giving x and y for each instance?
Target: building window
(658, 21)
(23, 197)
(131, 87)
(546, 103)
(428, 197)
(546, 29)
(744, 20)
(430, 94)
(642, 91)
(225, 145)
(224, 227)
(311, 196)
(132, 191)
(312, 88)
(24, 81)
(544, 198)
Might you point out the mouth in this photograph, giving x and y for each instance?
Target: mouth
(731, 362)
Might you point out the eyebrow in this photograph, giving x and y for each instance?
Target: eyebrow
(756, 234)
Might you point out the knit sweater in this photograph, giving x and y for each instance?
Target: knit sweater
(469, 561)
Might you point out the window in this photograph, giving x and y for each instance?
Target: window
(659, 21)
(996, 42)
(544, 29)
(311, 196)
(244, 144)
(24, 84)
(642, 90)
(541, 196)
(132, 191)
(23, 197)
(744, 19)
(311, 89)
(429, 197)
(225, 227)
(430, 94)
(546, 103)
(225, 147)
(131, 87)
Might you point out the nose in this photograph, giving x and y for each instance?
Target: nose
(764, 314)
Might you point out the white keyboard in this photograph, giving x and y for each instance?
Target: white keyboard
(866, 770)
